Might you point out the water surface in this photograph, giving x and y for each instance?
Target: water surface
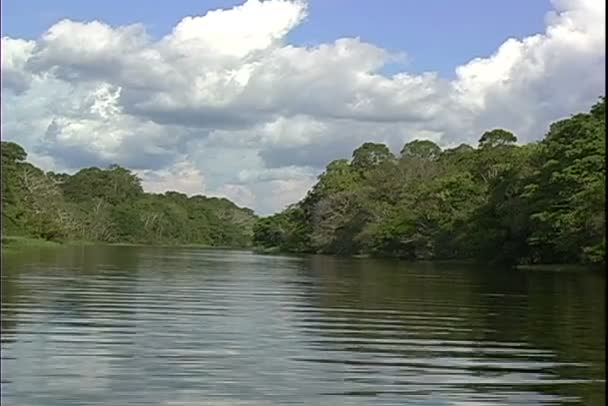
(171, 326)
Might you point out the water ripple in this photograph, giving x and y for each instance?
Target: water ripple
(132, 325)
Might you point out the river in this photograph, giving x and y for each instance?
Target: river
(111, 325)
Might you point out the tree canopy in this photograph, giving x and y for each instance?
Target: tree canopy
(542, 202)
(421, 149)
(109, 205)
(496, 138)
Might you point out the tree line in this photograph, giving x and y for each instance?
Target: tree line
(109, 205)
(543, 202)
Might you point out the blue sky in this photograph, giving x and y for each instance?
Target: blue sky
(252, 101)
(436, 35)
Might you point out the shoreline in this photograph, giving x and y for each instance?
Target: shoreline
(16, 244)
(11, 244)
(456, 261)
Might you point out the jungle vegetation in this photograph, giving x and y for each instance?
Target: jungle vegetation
(542, 202)
(109, 205)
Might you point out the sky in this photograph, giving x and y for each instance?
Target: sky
(252, 99)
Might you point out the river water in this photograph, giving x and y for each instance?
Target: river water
(175, 326)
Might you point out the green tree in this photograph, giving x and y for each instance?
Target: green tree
(13, 156)
(110, 205)
(541, 202)
(421, 149)
(567, 193)
(496, 138)
(370, 155)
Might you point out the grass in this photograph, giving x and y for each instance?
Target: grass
(11, 244)
(15, 244)
(18, 241)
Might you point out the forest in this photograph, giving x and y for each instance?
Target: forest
(542, 202)
(109, 205)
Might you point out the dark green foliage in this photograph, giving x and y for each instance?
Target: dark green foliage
(538, 203)
(287, 230)
(567, 192)
(32, 205)
(110, 205)
(115, 185)
(370, 155)
(496, 138)
(421, 149)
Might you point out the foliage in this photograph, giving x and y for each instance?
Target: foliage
(567, 192)
(421, 149)
(495, 138)
(109, 205)
(501, 202)
(370, 155)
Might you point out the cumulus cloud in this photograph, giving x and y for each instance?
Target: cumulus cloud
(268, 195)
(531, 81)
(183, 177)
(259, 25)
(15, 53)
(224, 105)
(239, 194)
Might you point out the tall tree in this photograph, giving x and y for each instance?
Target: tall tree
(540, 202)
(421, 149)
(370, 155)
(496, 138)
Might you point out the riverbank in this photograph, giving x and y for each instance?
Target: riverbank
(16, 244)
(561, 267)
(11, 244)
(459, 261)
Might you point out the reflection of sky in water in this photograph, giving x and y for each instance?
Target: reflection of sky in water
(188, 327)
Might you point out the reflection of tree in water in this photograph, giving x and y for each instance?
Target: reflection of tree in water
(59, 282)
(496, 324)
(68, 309)
(409, 293)
(11, 294)
(567, 313)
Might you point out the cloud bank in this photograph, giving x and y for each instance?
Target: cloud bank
(224, 105)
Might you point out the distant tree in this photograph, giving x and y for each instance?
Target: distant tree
(496, 138)
(462, 148)
(421, 149)
(110, 205)
(370, 155)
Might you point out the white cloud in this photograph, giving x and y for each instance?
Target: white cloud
(277, 194)
(253, 26)
(265, 175)
(241, 195)
(15, 53)
(281, 193)
(182, 177)
(529, 82)
(223, 104)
